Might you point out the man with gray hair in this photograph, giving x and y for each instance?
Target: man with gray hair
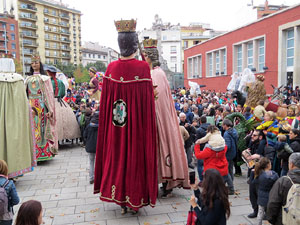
(279, 191)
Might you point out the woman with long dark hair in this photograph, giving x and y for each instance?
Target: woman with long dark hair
(30, 213)
(212, 205)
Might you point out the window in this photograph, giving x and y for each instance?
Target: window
(190, 68)
(55, 53)
(54, 12)
(239, 58)
(173, 50)
(210, 64)
(47, 44)
(47, 53)
(104, 57)
(12, 27)
(250, 55)
(84, 55)
(13, 45)
(185, 44)
(54, 45)
(48, 61)
(54, 20)
(46, 27)
(3, 25)
(173, 59)
(93, 55)
(290, 48)
(13, 37)
(164, 38)
(99, 56)
(224, 61)
(54, 29)
(261, 54)
(46, 19)
(47, 36)
(217, 63)
(14, 54)
(196, 66)
(89, 55)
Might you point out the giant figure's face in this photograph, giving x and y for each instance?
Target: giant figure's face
(36, 65)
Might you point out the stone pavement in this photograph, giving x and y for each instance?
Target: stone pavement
(62, 185)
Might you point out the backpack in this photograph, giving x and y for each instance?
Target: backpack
(290, 212)
(3, 199)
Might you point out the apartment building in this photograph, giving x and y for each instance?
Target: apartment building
(93, 52)
(48, 28)
(9, 36)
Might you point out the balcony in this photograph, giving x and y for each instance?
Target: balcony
(64, 24)
(29, 8)
(48, 22)
(65, 49)
(31, 17)
(30, 35)
(66, 40)
(33, 26)
(30, 44)
(65, 33)
(66, 56)
(64, 16)
(29, 53)
(52, 47)
(52, 31)
(52, 56)
(46, 12)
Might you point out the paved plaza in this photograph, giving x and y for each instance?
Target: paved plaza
(62, 185)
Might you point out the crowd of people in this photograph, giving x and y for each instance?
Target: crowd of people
(272, 146)
(142, 134)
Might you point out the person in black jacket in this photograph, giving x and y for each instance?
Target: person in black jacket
(212, 205)
(189, 142)
(90, 135)
(295, 140)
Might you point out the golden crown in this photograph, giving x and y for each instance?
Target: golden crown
(126, 25)
(35, 58)
(150, 43)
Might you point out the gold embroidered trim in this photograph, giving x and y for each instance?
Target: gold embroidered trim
(127, 81)
(113, 192)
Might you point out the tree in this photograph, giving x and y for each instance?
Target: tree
(81, 74)
(100, 66)
(67, 69)
(19, 68)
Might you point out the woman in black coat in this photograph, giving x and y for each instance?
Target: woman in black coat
(212, 206)
(284, 155)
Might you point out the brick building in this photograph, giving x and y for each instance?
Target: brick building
(269, 46)
(9, 36)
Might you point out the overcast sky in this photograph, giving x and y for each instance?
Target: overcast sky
(99, 15)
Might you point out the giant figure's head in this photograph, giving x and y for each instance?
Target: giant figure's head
(127, 37)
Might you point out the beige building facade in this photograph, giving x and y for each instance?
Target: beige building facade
(50, 29)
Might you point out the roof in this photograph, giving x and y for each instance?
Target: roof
(56, 4)
(249, 24)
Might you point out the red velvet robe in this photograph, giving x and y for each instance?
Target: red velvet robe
(126, 163)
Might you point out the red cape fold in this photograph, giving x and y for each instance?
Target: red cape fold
(126, 157)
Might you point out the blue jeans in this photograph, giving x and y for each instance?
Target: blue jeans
(227, 179)
(5, 222)
(283, 172)
(200, 169)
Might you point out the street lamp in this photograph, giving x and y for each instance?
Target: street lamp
(23, 60)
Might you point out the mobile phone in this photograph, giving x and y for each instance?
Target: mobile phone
(192, 177)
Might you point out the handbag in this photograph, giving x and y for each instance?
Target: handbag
(192, 217)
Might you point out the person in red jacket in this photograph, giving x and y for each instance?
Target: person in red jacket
(214, 158)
